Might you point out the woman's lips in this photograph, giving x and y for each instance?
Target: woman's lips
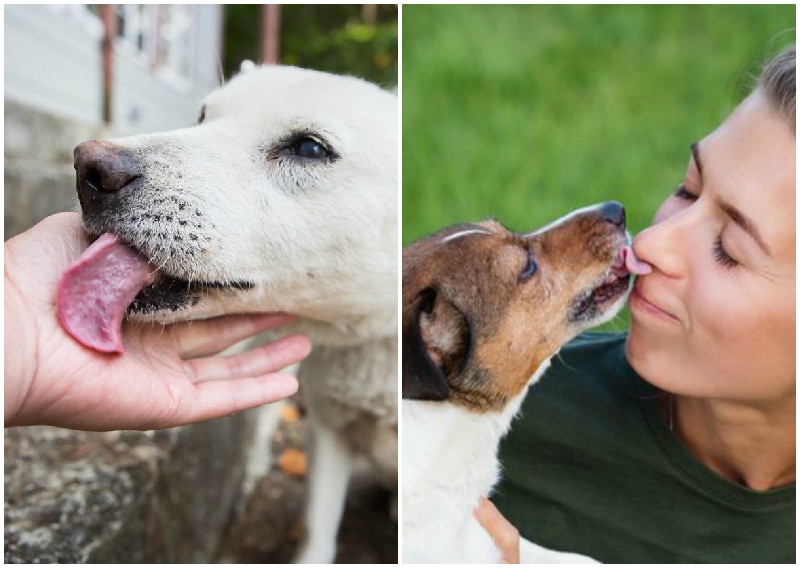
(639, 301)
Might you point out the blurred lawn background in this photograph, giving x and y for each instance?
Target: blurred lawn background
(524, 113)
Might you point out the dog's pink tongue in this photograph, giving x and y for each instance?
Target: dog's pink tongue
(633, 264)
(96, 290)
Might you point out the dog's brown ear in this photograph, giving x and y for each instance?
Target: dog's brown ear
(436, 342)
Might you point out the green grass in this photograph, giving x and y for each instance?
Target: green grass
(524, 113)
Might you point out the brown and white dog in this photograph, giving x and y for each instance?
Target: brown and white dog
(484, 311)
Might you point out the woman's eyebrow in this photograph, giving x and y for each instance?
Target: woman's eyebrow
(742, 221)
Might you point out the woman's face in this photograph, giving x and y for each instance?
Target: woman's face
(716, 316)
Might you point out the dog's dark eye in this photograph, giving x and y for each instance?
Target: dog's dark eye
(202, 116)
(530, 268)
(303, 147)
(307, 147)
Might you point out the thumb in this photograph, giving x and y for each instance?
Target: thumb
(504, 534)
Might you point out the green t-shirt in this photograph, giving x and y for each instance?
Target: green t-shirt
(590, 467)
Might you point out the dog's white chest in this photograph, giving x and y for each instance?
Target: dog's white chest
(449, 463)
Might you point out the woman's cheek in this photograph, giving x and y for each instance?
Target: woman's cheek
(722, 316)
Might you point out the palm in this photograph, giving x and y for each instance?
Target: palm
(167, 375)
(146, 385)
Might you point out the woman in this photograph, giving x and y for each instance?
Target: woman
(676, 443)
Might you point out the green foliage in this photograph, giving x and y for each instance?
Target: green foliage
(524, 113)
(242, 36)
(330, 38)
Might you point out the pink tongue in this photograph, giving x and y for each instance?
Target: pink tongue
(633, 264)
(96, 290)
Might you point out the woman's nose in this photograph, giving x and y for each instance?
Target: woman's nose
(664, 245)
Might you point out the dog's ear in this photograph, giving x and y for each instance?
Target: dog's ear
(246, 66)
(436, 343)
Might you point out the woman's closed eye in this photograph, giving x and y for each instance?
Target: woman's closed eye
(721, 255)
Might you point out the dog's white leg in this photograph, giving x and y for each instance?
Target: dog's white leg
(259, 459)
(331, 464)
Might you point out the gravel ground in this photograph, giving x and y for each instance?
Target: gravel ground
(270, 526)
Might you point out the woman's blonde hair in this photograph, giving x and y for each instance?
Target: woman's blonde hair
(777, 82)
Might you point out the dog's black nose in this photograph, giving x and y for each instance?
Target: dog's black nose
(103, 170)
(614, 213)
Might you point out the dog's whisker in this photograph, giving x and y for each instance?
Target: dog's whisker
(160, 333)
(561, 360)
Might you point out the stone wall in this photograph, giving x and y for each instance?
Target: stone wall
(38, 173)
(119, 497)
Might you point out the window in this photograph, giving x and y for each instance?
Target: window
(177, 39)
(160, 36)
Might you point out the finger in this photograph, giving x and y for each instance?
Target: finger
(487, 514)
(503, 533)
(200, 338)
(265, 359)
(215, 399)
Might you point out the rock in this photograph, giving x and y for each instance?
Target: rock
(271, 525)
(145, 497)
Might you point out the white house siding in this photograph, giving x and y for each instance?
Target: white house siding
(208, 52)
(144, 104)
(53, 61)
(54, 97)
(145, 100)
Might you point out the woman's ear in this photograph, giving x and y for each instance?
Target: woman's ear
(436, 339)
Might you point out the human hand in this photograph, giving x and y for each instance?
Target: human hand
(168, 375)
(503, 533)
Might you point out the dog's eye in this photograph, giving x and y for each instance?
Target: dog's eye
(202, 116)
(303, 147)
(307, 147)
(530, 268)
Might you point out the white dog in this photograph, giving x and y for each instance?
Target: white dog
(282, 198)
